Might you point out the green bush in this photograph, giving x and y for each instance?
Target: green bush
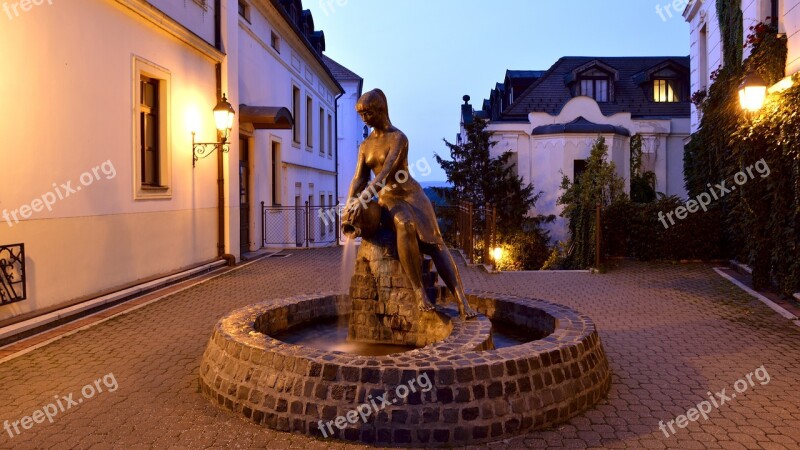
(634, 230)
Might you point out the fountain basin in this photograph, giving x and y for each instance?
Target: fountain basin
(476, 393)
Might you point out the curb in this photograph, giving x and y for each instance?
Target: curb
(774, 306)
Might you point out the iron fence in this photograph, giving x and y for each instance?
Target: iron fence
(13, 284)
(472, 229)
(299, 226)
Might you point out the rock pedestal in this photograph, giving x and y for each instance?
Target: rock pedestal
(384, 308)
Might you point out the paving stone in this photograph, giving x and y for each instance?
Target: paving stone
(671, 333)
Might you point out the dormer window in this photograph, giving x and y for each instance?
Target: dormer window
(667, 90)
(595, 87)
(595, 79)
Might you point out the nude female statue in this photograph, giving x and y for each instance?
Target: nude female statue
(385, 153)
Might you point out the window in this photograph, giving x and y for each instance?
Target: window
(511, 96)
(702, 58)
(322, 227)
(276, 42)
(578, 168)
(296, 114)
(309, 123)
(330, 205)
(330, 136)
(276, 174)
(667, 91)
(151, 145)
(594, 87)
(322, 132)
(244, 10)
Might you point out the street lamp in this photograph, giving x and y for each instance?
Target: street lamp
(223, 119)
(752, 92)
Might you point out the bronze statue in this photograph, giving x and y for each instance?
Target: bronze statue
(385, 153)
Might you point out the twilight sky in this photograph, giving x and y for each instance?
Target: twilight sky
(426, 54)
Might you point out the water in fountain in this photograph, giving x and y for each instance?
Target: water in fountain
(348, 262)
(331, 335)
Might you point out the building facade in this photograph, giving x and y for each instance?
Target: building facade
(550, 119)
(104, 188)
(706, 42)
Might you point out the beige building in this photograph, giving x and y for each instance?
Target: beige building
(101, 181)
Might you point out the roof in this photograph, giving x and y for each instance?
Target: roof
(524, 74)
(339, 71)
(580, 126)
(281, 6)
(266, 117)
(550, 92)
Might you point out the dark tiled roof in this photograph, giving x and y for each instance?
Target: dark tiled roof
(580, 125)
(550, 93)
(514, 74)
(339, 71)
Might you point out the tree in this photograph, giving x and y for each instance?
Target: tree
(599, 184)
(479, 178)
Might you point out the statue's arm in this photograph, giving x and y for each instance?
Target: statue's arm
(398, 153)
(360, 178)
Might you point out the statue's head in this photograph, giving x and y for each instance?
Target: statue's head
(374, 109)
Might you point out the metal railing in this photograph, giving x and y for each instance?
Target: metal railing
(13, 284)
(299, 226)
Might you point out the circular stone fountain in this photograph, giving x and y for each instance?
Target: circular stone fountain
(474, 394)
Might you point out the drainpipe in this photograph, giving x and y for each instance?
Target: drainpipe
(220, 161)
(336, 159)
(218, 24)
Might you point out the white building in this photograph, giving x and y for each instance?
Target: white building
(99, 181)
(350, 126)
(550, 119)
(706, 43)
(281, 66)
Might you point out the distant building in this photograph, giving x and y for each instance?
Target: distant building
(350, 126)
(550, 119)
(706, 43)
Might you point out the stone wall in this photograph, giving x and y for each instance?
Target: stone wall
(384, 308)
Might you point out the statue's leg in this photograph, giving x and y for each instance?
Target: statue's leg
(446, 266)
(408, 251)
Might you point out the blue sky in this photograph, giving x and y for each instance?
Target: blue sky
(426, 54)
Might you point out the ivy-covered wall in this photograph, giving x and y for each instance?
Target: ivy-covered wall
(759, 223)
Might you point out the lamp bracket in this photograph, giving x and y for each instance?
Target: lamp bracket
(201, 150)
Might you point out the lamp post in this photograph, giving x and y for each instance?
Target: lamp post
(752, 92)
(223, 119)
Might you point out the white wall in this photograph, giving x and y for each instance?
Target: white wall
(351, 135)
(542, 159)
(69, 75)
(705, 58)
(267, 78)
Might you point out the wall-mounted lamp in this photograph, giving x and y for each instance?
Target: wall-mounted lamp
(752, 92)
(223, 117)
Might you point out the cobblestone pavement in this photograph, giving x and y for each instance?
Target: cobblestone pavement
(672, 333)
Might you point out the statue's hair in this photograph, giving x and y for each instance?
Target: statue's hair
(375, 99)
